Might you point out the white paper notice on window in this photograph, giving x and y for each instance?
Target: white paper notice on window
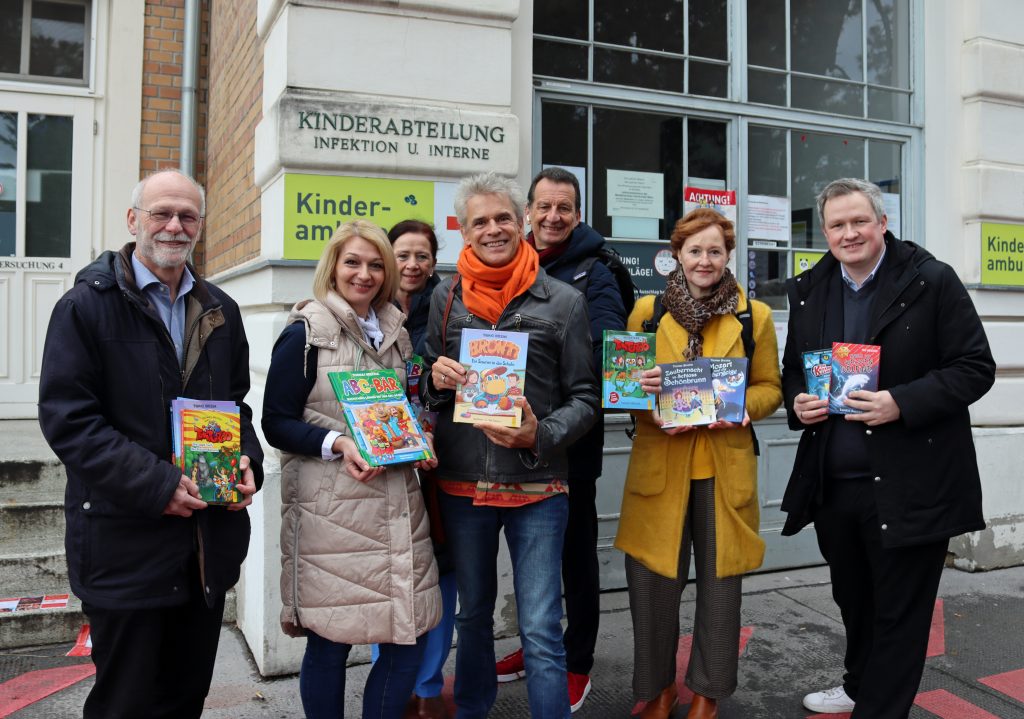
(768, 218)
(892, 212)
(636, 194)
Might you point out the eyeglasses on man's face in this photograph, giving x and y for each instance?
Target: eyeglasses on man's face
(188, 221)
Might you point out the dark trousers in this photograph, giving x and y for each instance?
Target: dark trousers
(580, 577)
(153, 663)
(886, 596)
(654, 607)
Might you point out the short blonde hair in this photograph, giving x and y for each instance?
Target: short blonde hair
(323, 278)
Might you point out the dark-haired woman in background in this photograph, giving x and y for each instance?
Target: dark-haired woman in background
(415, 246)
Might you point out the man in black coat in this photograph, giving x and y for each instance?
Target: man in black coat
(149, 559)
(887, 487)
(563, 242)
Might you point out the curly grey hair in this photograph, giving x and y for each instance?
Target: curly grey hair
(488, 183)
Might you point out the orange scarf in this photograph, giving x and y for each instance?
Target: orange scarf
(486, 290)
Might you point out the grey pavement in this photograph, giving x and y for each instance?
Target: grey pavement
(795, 646)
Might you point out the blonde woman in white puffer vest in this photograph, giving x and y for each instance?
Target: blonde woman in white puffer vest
(357, 565)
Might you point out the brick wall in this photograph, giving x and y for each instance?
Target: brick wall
(235, 107)
(161, 91)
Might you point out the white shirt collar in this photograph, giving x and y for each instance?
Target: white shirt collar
(871, 275)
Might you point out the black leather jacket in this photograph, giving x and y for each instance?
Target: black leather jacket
(560, 384)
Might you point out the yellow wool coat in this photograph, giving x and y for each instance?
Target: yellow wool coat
(658, 481)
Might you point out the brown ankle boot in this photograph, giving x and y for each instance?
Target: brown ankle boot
(703, 708)
(662, 705)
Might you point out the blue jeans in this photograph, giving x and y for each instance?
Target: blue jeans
(322, 679)
(534, 533)
(430, 678)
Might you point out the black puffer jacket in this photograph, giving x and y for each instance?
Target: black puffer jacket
(935, 362)
(109, 373)
(560, 384)
(604, 305)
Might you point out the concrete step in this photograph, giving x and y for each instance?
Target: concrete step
(31, 480)
(36, 627)
(31, 527)
(33, 573)
(41, 626)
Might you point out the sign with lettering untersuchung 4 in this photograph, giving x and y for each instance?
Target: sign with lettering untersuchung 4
(316, 204)
(1002, 254)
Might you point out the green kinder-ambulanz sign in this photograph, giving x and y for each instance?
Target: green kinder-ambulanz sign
(1002, 254)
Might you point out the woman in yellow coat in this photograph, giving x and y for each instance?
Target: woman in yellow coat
(695, 486)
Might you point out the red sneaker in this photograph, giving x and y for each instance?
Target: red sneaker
(511, 667)
(579, 687)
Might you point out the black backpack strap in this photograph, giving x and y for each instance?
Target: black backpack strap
(650, 325)
(747, 335)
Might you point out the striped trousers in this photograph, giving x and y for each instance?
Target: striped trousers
(654, 606)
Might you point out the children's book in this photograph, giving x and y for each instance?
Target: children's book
(687, 396)
(729, 380)
(413, 373)
(380, 419)
(495, 363)
(207, 441)
(817, 371)
(853, 367)
(626, 355)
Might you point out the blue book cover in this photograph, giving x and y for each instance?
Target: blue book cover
(687, 396)
(817, 372)
(729, 380)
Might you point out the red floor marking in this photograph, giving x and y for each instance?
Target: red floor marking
(1011, 683)
(937, 634)
(948, 706)
(30, 687)
(683, 662)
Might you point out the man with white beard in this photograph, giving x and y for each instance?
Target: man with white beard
(149, 559)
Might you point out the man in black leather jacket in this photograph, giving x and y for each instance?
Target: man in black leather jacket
(492, 476)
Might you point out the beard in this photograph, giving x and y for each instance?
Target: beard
(155, 249)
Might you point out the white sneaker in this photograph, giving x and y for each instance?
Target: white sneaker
(830, 701)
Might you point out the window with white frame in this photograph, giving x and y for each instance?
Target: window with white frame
(45, 41)
(793, 94)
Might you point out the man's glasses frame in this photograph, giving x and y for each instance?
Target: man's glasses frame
(187, 220)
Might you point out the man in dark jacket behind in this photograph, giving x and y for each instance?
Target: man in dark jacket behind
(886, 488)
(563, 242)
(150, 561)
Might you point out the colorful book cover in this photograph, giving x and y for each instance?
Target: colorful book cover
(495, 363)
(207, 437)
(687, 396)
(380, 419)
(413, 373)
(817, 372)
(853, 367)
(729, 380)
(625, 356)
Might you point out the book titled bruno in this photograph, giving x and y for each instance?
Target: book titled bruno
(207, 442)
(495, 363)
(626, 355)
(379, 417)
